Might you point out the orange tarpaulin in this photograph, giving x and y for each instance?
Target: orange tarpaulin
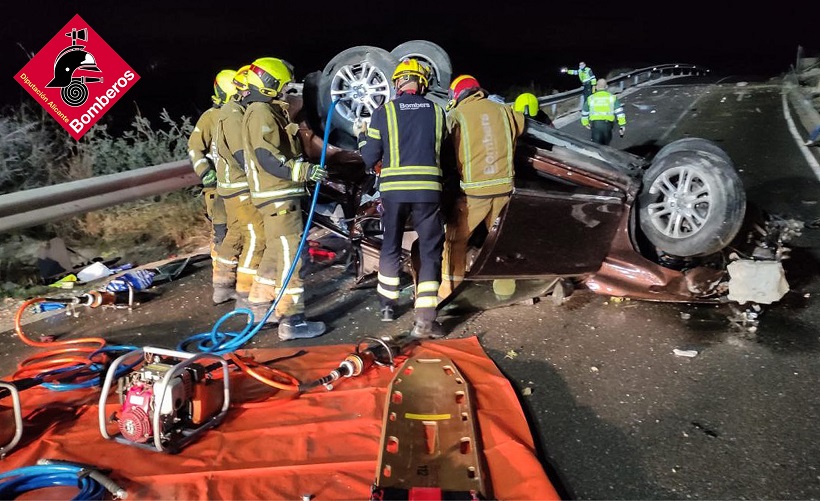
(322, 443)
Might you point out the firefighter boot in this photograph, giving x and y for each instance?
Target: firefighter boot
(259, 310)
(224, 282)
(427, 329)
(298, 327)
(259, 299)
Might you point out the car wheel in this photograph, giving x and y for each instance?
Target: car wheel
(359, 78)
(430, 54)
(693, 144)
(692, 203)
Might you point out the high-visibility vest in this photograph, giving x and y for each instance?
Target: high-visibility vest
(602, 106)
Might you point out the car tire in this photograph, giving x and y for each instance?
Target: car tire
(430, 54)
(360, 78)
(692, 203)
(693, 144)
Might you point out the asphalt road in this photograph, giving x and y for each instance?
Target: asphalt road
(616, 414)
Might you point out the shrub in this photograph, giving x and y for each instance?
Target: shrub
(35, 151)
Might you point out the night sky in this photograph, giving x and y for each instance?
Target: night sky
(178, 46)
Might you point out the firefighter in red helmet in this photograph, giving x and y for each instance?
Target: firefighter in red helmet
(484, 134)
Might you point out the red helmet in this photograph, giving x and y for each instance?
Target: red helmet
(461, 84)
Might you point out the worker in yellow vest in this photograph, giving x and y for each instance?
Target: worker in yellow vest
(599, 113)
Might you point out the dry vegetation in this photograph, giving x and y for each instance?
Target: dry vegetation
(35, 152)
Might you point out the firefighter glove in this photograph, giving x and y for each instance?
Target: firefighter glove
(621, 131)
(359, 126)
(316, 173)
(209, 179)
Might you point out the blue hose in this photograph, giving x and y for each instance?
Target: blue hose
(220, 343)
(94, 367)
(17, 482)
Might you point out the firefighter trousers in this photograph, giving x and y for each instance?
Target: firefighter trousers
(429, 225)
(469, 212)
(241, 250)
(283, 232)
(215, 211)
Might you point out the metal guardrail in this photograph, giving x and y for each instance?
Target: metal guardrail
(620, 83)
(41, 205)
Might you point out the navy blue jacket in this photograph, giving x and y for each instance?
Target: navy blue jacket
(406, 134)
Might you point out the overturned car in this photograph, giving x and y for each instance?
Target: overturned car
(665, 229)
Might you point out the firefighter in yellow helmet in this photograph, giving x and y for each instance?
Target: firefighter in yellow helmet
(599, 113)
(277, 173)
(405, 135)
(241, 250)
(199, 151)
(527, 104)
(484, 134)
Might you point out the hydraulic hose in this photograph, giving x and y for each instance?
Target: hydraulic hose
(91, 482)
(70, 360)
(225, 343)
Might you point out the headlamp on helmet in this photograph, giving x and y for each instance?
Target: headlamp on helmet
(269, 75)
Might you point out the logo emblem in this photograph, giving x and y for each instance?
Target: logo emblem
(73, 58)
(78, 82)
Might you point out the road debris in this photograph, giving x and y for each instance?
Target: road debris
(685, 353)
(746, 320)
(511, 354)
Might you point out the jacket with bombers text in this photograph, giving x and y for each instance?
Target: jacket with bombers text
(406, 134)
(485, 133)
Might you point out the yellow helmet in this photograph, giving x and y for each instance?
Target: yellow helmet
(240, 80)
(223, 87)
(526, 103)
(412, 67)
(269, 75)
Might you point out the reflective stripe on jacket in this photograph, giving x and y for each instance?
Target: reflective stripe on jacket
(276, 170)
(485, 133)
(227, 149)
(199, 143)
(585, 75)
(406, 135)
(602, 106)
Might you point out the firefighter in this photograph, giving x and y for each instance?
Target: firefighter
(586, 77)
(599, 113)
(405, 135)
(527, 104)
(199, 150)
(239, 254)
(277, 173)
(484, 134)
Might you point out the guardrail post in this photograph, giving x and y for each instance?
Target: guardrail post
(554, 108)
